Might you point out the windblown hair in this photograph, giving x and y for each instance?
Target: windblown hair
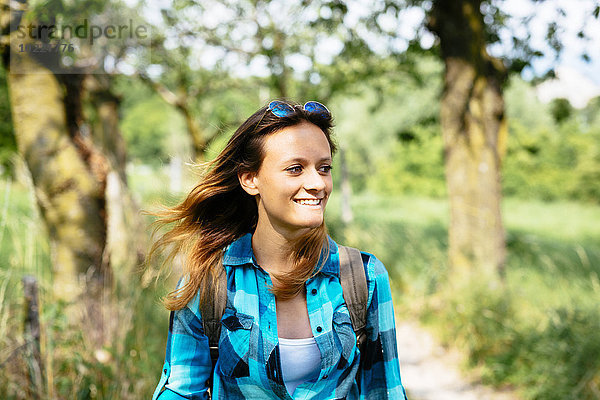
(218, 211)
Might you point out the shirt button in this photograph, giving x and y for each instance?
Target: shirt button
(319, 329)
(314, 291)
(325, 376)
(165, 371)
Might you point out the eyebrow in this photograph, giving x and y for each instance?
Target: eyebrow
(300, 159)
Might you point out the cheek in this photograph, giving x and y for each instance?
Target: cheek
(275, 191)
(329, 185)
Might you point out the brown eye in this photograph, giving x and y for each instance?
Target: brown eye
(296, 169)
(326, 168)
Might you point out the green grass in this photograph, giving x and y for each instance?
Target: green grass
(539, 333)
(565, 221)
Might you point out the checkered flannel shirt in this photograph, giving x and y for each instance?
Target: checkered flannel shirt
(249, 364)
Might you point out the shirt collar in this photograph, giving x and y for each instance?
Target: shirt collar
(240, 252)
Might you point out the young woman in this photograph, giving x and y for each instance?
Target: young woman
(258, 214)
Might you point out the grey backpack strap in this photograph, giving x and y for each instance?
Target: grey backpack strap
(212, 312)
(356, 294)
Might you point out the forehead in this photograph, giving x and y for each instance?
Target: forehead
(304, 140)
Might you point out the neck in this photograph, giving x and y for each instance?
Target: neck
(272, 247)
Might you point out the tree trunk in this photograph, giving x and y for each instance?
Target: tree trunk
(474, 132)
(106, 131)
(199, 142)
(69, 177)
(126, 241)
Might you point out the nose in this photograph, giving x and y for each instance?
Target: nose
(314, 181)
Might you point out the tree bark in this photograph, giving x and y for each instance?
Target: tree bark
(474, 132)
(69, 177)
(106, 130)
(126, 241)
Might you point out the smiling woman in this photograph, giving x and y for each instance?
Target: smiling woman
(294, 181)
(257, 216)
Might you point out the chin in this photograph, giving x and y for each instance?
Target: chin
(313, 224)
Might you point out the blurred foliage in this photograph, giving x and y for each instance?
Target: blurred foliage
(394, 143)
(507, 35)
(561, 110)
(550, 156)
(288, 45)
(153, 132)
(554, 357)
(392, 136)
(73, 23)
(8, 145)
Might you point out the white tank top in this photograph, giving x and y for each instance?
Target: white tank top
(300, 361)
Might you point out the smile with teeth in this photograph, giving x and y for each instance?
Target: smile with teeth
(308, 202)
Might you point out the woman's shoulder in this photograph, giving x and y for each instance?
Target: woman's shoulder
(194, 304)
(374, 268)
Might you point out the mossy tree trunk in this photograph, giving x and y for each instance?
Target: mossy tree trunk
(474, 132)
(69, 177)
(95, 228)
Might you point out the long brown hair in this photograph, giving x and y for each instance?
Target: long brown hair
(218, 211)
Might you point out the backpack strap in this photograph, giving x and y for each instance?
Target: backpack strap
(354, 288)
(212, 311)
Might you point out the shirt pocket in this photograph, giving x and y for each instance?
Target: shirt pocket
(346, 338)
(234, 344)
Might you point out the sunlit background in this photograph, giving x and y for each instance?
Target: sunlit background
(94, 133)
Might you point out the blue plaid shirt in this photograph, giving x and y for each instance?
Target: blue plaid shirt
(249, 364)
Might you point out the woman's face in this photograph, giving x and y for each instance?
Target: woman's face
(294, 181)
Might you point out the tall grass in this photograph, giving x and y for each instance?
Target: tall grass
(128, 369)
(23, 251)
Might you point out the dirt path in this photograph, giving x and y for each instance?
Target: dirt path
(429, 372)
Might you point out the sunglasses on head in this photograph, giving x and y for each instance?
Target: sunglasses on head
(282, 109)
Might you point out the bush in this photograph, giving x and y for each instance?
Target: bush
(556, 358)
(561, 361)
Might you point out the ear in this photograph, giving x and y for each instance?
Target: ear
(248, 182)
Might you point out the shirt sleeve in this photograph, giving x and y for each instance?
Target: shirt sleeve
(187, 365)
(380, 369)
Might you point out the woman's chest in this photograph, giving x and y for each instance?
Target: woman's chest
(292, 318)
(251, 324)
